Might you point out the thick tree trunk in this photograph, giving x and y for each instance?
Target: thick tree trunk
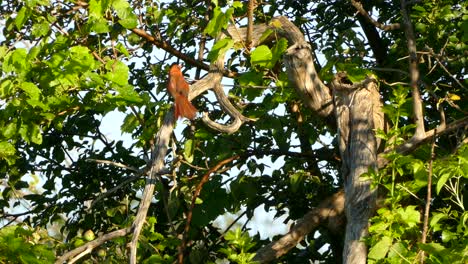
(358, 114)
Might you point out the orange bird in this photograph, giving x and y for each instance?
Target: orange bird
(179, 89)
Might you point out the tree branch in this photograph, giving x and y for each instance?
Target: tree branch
(162, 139)
(250, 11)
(413, 143)
(167, 47)
(428, 196)
(198, 189)
(414, 72)
(88, 247)
(238, 118)
(358, 111)
(329, 211)
(374, 22)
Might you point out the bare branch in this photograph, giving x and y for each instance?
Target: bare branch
(162, 139)
(250, 11)
(412, 144)
(330, 211)
(374, 22)
(238, 118)
(88, 247)
(414, 72)
(198, 189)
(437, 57)
(165, 46)
(115, 164)
(428, 197)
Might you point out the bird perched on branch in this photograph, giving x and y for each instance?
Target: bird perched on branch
(179, 89)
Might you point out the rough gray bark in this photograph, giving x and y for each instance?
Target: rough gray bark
(358, 114)
(298, 60)
(357, 111)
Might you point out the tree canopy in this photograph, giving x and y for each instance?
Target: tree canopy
(363, 103)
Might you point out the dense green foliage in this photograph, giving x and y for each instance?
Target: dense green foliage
(65, 65)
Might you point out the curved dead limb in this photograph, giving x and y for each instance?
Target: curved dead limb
(238, 118)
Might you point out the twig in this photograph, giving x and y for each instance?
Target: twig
(412, 144)
(114, 189)
(167, 47)
(203, 38)
(198, 189)
(428, 197)
(115, 164)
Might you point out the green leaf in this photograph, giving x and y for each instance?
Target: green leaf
(6, 88)
(81, 60)
(22, 16)
(380, 249)
(448, 236)
(219, 21)
(278, 50)
(31, 133)
(31, 90)
(127, 18)
(120, 47)
(397, 250)
(220, 48)
(409, 215)
(432, 248)
(130, 123)
(130, 21)
(10, 130)
(251, 78)
(261, 56)
(15, 61)
(118, 72)
(3, 51)
(96, 8)
(189, 149)
(40, 29)
(435, 219)
(446, 174)
(297, 180)
(100, 25)
(128, 93)
(6, 150)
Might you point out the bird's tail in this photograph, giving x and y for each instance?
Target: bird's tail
(184, 108)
